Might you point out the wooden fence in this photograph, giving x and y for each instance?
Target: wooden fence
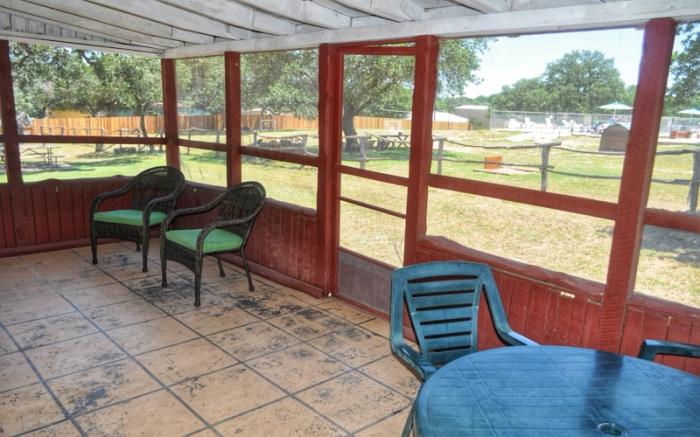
(114, 126)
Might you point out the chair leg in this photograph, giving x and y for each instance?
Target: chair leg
(408, 426)
(144, 252)
(197, 279)
(163, 264)
(221, 268)
(93, 244)
(247, 272)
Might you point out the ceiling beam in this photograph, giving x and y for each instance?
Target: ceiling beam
(487, 6)
(111, 17)
(303, 11)
(599, 16)
(395, 10)
(236, 14)
(160, 12)
(66, 26)
(103, 46)
(88, 23)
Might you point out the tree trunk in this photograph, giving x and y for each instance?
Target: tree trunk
(144, 132)
(351, 143)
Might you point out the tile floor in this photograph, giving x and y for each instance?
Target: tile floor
(103, 350)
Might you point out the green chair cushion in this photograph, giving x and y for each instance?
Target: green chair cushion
(129, 217)
(217, 240)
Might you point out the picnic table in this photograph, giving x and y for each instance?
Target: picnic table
(45, 152)
(387, 141)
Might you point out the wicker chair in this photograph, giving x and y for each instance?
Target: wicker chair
(238, 208)
(154, 193)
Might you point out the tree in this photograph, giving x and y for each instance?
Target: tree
(374, 85)
(200, 84)
(685, 71)
(523, 95)
(581, 81)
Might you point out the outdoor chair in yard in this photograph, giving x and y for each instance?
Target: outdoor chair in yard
(153, 195)
(443, 305)
(238, 208)
(650, 348)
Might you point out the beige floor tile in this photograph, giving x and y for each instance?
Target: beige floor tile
(73, 355)
(27, 408)
(205, 433)
(51, 330)
(61, 429)
(100, 386)
(211, 319)
(287, 417)
(154, 334)
(125, 313)
(47, 257)
(392, 426)
(353, 401)
(77, 282)
(391, 372)
(302, 296)
(6, 344)
(210, 273)
(150, 287)
(11, 262)
(310, 323)
(156, 414)
(297, 367)
(24, 288)
(133, 271)
(33, 308)
(354, 346)
(173, 302)
(378, 326)
(87, 298)
(120, 258)
(251, 341)
(346, 311)
(86, 252)
(187, 360)
(63, 269)
(15, 372)
(226, 393)
(268, 303)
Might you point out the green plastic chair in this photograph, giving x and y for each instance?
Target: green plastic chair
(238, 208)
(650, 348)
(443, 305)
(153, 195)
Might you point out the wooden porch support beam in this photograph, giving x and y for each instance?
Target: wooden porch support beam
(330, 75)
(20, 213)
(427, 49)
(232, 68)
(636, 178)
(172, 150)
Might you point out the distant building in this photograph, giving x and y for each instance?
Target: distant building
(478, 115)
(614, 138)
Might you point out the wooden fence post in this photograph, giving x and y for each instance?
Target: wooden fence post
(441, 150)
(544, 166)
(694, 185)
(363, 153)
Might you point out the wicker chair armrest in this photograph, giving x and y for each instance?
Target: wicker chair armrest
(154, 202)
(189, 211)
(115, 193)
(220, 224)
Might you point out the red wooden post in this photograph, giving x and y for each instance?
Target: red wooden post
(426, 49)
(172, 150)
(636, 178)
(24, 232)
(330, 80)
(232, 66)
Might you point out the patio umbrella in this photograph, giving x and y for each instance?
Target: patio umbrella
(691, 111)
(616, 106)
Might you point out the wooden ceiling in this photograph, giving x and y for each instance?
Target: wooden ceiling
(187, 28)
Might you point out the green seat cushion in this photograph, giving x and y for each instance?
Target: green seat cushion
(217, 240)
(129, 217)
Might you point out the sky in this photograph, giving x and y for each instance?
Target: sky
(509, 59)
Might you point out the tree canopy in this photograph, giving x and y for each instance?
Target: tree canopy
(580, 81)
(684, 91)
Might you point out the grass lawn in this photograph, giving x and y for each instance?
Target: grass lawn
(669, 263)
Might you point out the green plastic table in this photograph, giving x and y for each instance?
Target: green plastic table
(557, 391)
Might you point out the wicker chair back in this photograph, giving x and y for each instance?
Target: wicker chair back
(157, 182)
(239, 202)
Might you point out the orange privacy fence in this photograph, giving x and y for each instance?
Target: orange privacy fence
(116, 126)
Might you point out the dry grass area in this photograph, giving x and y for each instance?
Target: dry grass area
(579, 245)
